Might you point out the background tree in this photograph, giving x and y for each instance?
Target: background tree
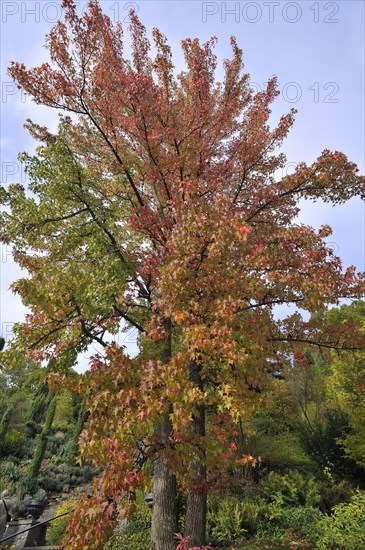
(346, 384)
(17, 384)
(73, 450)
(42, 440)
(160, 208)
(4, 424)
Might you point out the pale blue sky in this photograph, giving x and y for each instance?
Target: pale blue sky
(315, 48)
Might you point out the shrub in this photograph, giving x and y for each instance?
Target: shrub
(280, 453)
(55, 445)
(33, 428)
(58, 526)
(9, 471)
(288, 505)
(88, 472)
(136, 533)
(301, 521)
(279, 523)
(292, 489)
(231, 519)
(57, 459)
(27, 450)
(27, 486)
(333, 494)
(14, 440)
(344, 529)
(228, 522)
(49, 483)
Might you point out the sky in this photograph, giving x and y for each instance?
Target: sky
(316, 49)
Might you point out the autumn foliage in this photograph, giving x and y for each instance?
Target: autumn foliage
(159, 205)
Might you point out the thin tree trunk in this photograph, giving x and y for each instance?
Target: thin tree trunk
(164, 519)
(196, 513)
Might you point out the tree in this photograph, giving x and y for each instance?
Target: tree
(314, 418)
(74, 443)
(42, 440)
(39, 403)
(4, 424)
(346, 384)
(160, 208)
(17, 384)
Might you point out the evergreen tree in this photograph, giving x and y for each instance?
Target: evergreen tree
(42, 441)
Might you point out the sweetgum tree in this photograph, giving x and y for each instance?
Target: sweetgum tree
(159, 207)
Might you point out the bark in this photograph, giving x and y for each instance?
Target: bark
(164, 519)
(196, 513)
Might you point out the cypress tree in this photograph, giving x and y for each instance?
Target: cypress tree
(74, 444)
(39, 403)
(42, 440)
(4, 424)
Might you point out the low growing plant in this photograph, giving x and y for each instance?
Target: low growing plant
(345, 528)
(293, 489)
(135, 535)
(333, 494)
(13, 442)
(58, 526)
(232, 519)
(9, 471)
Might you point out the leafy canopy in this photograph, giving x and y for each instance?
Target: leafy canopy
(160, 207)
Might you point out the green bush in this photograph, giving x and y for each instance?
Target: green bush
(58, 526)
(231, 519)
(228, 525)
(4, 485)
(301, 521)
(278, 522)
(344, 529)
(280, 453)
(333, 494)
(33, 428)
(27, 486)
(14, 441)
(53, 477)
(9, 471)
(27, 450)
(88, 472)
(135, 535)
(292, 489)
(56, 444)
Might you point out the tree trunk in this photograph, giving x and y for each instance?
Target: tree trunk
(164, 519)
(196, 513)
